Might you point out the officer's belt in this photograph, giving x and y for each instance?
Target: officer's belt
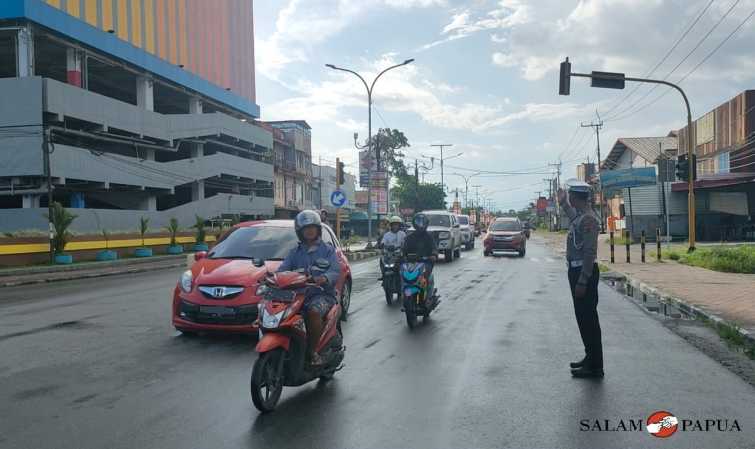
(574, 263)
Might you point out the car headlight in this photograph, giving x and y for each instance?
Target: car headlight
(186, 280)
(262, 289)
(444, 235)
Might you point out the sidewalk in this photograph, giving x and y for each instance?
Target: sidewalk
(12, 277)
(729, 296)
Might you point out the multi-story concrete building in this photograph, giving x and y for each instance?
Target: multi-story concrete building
(148, 106)
(292, 146)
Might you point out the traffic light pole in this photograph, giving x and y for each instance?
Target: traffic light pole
(339, 181)
(690, 144)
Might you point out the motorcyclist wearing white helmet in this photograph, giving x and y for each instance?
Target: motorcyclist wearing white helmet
(311, 248)
(393, 238)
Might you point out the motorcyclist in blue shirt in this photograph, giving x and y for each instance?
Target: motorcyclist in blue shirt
(311, 248)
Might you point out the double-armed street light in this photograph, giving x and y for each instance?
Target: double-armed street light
(370, 88)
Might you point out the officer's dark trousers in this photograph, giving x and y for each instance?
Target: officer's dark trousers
(586, 309)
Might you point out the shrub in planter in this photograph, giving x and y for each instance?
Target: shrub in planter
(143, 227)
(173, 229)
(61, 220)
(106, 254)
(200, 235)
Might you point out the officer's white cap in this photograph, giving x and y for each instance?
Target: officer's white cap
(577, 186)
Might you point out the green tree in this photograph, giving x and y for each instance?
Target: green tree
(389, 143)
(61, 220)
(143, 227)
(419, 197)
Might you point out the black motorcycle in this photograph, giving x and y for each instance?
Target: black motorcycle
(391, 260)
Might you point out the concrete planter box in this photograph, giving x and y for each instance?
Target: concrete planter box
(107, 255)
(175, 249)
(201, 247)
(63, 259)
(143, 252)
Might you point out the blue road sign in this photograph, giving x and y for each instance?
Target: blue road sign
(338, 198)
(627, 178)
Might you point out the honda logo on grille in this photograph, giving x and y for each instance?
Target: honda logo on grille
(220, 292)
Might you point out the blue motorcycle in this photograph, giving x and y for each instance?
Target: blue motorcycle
(419, 293)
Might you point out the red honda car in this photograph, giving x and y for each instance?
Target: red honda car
(219, 292)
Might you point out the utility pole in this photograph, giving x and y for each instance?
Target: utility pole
(442, 146)
(598, 125)
(558, 185)
(477, 203)
(48, 175)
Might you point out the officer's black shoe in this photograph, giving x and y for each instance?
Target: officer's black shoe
(585, 372)
(580, 364)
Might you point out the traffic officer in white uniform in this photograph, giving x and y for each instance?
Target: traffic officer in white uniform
(581, 253)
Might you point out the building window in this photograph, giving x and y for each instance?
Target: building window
(723, 163)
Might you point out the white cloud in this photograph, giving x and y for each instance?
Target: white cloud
(407, 90)
(303, 24)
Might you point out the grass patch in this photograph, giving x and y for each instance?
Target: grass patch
(603, 268)
(732, 336)
(619, 240)
(727, 259)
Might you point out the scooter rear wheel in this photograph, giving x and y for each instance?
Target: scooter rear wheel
(267, 380)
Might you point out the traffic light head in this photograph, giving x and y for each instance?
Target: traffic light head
(339, 172)
(682, 167)
(564, 79)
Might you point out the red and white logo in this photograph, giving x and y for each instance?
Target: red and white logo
(662, 424)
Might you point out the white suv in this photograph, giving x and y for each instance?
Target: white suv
(466, 231)
(445, 229)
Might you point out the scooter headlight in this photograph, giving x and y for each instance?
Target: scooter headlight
(273, 320)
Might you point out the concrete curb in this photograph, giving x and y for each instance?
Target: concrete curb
(7, 272)
(655, 300)
(81, 274)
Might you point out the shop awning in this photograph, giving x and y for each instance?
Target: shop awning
(714, 181)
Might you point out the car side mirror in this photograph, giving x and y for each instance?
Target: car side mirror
(258, 263)
(456, 225)
(200, 255)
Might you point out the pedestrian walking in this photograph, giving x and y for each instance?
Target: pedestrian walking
(583, 273)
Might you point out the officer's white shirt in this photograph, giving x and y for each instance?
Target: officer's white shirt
(394, 239)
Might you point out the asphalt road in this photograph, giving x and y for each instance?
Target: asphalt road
(96, 364)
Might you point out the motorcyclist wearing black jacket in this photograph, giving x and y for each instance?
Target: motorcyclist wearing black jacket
(422, 244)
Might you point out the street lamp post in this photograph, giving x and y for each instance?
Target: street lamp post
(612, 80)
(370, 89)
(466, 185)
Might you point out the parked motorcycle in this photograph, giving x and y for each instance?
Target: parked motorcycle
(282, 346)
(391, 259)
(418, 301)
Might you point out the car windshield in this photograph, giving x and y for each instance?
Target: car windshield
(463, 220)
(257, 242)
(506, 226)
(439, 220)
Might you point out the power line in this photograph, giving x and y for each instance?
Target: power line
(618, 115)
(662, 60)
(703, 61)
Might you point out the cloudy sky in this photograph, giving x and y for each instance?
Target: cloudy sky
(486, 76)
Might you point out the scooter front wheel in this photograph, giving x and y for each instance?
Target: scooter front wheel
(267, 380)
